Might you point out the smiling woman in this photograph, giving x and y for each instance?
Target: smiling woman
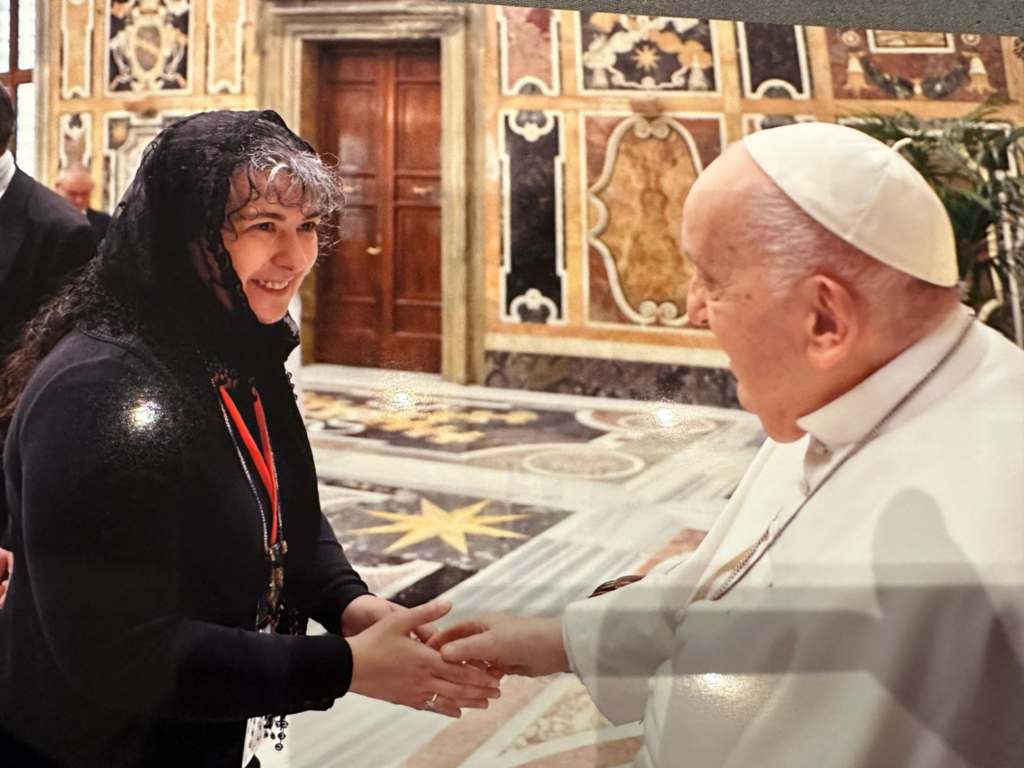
(270, 231)
(173, 569)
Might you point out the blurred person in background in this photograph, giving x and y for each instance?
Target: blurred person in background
(75, 184)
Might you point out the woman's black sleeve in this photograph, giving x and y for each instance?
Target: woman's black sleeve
(101, 500)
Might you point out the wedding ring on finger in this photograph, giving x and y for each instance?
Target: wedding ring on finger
(429, 705)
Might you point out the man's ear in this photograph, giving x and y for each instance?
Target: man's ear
(832, 323)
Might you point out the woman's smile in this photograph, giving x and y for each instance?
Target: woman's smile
(275, 287)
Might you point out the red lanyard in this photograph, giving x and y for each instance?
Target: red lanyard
(264, 462)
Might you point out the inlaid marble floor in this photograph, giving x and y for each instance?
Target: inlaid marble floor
(501, 500)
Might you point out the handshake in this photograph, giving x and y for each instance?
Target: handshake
(398, 655)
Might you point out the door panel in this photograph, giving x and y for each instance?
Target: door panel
(418, 119)
(379, 291)
(418, 235)
(359, 146)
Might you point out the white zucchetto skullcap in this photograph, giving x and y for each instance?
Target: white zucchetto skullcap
(863, 191)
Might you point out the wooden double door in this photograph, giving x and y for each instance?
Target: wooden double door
(379, 292)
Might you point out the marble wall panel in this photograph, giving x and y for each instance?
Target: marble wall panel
(616, 52)
(76, 27)
(533, 228)
(687, 384)
(638, 172)
(773, 61)
(149, 46)
(913, 66)
(225, 45)
(75, 139)
(528, 51)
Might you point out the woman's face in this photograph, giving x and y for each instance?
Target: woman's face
(273, 246)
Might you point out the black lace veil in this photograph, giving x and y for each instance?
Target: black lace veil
(143, 283)
(144, 269)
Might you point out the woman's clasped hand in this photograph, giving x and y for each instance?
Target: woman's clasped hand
(390, 664)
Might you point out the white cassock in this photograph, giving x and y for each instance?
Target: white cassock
(885, 628)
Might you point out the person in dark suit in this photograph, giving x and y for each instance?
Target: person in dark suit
(43, 240)
(75, 184)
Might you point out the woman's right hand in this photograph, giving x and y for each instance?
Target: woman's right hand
(389, 665)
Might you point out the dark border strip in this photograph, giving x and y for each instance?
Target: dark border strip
(1001, 17)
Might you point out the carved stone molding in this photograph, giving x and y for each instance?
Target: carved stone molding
(285, 31)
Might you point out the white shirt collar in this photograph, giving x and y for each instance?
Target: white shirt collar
(848, 418)
(7, 169)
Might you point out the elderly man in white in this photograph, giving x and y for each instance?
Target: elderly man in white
(860, 600)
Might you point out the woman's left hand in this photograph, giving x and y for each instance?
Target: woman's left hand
(367, 610)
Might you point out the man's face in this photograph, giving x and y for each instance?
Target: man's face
(273, 246)
(759, 329)
(76, 190)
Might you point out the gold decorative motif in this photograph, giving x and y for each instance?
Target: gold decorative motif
(612, 40)
(404, 415)
(451, 527)
(646, 58)
(855, 82)
(979, 77)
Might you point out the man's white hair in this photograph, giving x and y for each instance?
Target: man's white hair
(791, 246)
(75, 170)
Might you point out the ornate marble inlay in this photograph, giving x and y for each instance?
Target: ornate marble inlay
(148, 44)
(645, 53)
(528, 51)
(637, 203)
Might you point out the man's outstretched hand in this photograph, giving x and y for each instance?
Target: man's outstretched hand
(531, 647)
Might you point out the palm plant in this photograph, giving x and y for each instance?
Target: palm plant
(973, 163)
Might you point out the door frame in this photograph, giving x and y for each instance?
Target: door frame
(288, 39)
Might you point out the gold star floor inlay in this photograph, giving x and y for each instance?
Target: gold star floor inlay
(450, 526)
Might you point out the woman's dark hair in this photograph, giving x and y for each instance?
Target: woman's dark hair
(143, 280)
